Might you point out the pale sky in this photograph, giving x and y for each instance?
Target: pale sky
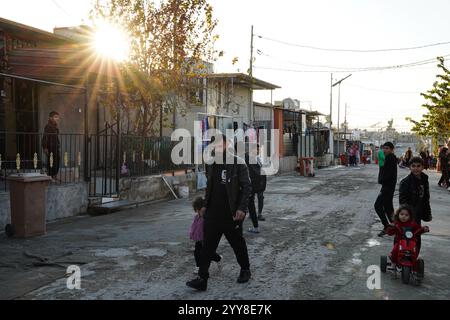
(373, 97)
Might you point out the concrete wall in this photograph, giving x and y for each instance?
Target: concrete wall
(288, 164)
(62, 202)
(153, 188)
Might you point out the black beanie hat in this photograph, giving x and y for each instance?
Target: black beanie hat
(389, 145)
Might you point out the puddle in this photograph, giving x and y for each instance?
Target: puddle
(113, 253)
(153, 252)
(372, 243)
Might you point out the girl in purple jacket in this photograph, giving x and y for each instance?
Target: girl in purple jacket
(196, 234)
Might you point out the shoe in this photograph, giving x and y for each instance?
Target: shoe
(253, 230)
(199, 284)
(261, 218)
(382, 233)
(244, 276)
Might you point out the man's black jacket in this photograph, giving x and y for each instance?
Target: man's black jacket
(50, 140)
(412, 195)
(388, 172)
(238, 186)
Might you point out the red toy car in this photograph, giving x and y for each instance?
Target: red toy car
(410, 266)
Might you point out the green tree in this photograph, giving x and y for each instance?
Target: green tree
(436, 123)
(169, 42)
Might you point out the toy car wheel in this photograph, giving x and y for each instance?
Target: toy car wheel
(406, 274)
(420, 268)
(10, 230)
(383, 264)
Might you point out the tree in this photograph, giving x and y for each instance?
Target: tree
(436, 123)
(169, 42)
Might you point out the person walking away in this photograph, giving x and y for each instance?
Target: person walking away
(380, 162)
(357, 156)
(51, 145)
(263, 186)
(415, 193)
(254, 169)
(225, 207)
(408, 156)
(196, 234)
(443, 159)
(384, 206)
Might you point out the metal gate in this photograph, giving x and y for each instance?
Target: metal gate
(104, 163)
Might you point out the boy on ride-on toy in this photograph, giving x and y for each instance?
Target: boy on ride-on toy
(403, 222)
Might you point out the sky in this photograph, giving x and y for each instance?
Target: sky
(372, 98)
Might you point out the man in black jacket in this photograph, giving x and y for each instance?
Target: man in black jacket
(254, 169)
(444, 181)
(51, 144)
(388, 179)
(415, 192)
(226, 204)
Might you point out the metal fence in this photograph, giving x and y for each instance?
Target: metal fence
(109, 158)
(143, 156)
(22, 152)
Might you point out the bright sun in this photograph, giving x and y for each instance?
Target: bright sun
(111, 42)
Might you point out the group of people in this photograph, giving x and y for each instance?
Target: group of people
(414, 197)
(230, 194)
(353, 155)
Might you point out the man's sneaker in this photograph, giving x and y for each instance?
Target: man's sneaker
(199, 284)
(261, 218)
(382, 233)
(244, 276)
(253, 230)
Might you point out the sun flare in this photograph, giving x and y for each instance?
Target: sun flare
(111, 41)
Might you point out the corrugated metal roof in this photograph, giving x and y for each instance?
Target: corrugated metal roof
(67, 64)
(244, 79)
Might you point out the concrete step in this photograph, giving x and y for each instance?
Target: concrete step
(112, 206)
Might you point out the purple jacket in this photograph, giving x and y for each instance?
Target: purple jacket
(196, 233)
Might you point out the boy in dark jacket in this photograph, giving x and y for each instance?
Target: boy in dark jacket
(384, 206)
(51, 144)
(415, 193)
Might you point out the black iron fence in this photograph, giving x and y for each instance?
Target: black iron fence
(23, 152)
(110, 157)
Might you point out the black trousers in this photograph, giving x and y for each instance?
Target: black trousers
(260, 202)
(445, 177)
(384, 204)
(198, 252)
(53, 171)
(252, 211)
(214, 230)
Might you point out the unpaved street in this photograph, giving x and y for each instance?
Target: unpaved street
(317, 242)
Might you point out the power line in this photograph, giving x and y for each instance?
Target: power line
(61, 8)
(381, 90)
(400, 66)
(353, 50)
(346, 69)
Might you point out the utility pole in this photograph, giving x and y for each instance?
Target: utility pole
(339, 108)
(331, 102)
(346, 125)
(339, 120)
(250, 71)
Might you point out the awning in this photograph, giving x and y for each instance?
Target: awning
(244, 80)
(68, 66)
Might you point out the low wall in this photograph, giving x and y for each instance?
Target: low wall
(153, 188)
(288, 164)
(62, 202)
